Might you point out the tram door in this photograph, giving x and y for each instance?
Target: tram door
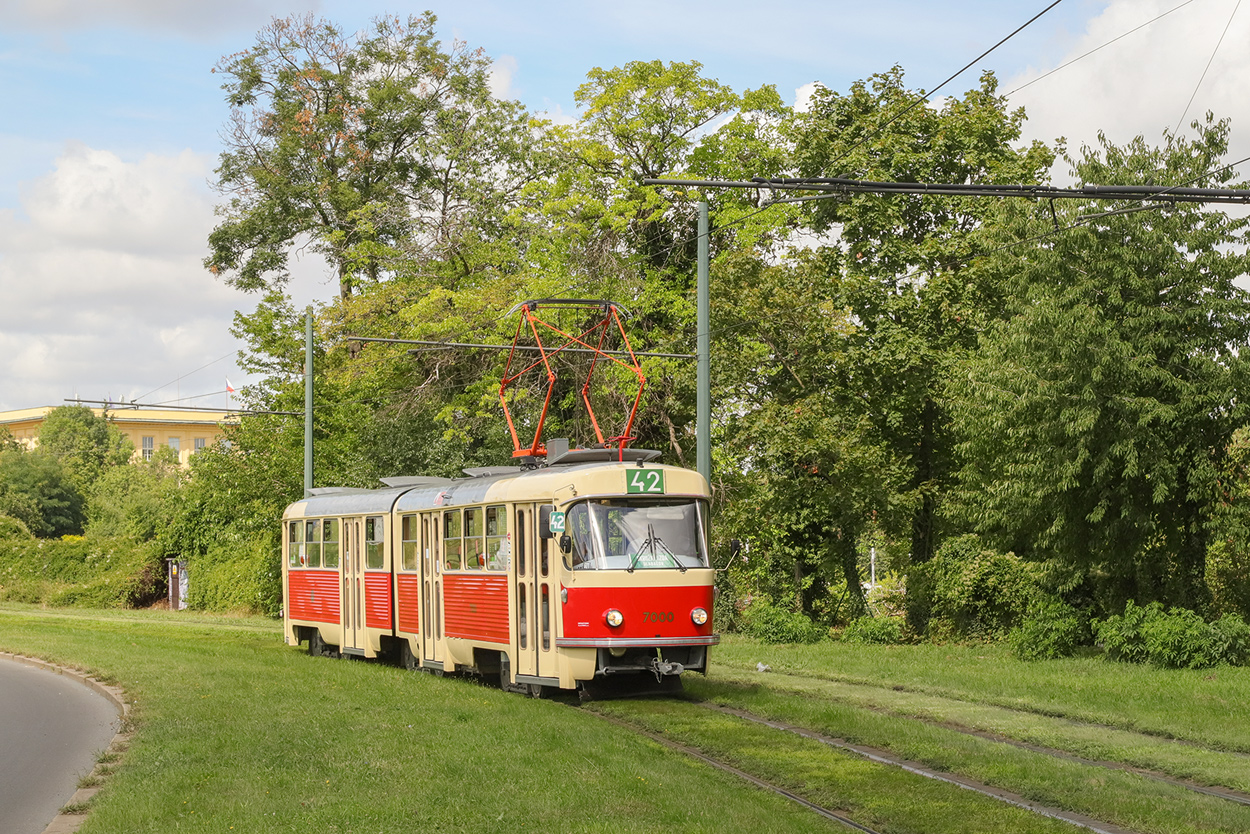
(353, 585)
(537, 604)
(523, 647)
(431, 596)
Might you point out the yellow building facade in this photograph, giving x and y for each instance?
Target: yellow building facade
(186, 431)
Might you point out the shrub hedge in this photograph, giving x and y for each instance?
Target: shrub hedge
(1176, 638)
(73, 571)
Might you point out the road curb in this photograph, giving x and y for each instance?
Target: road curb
(65, 823)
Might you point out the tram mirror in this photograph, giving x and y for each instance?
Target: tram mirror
(544, 522)
(566, 543)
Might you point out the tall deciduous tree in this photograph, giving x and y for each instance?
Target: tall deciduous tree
(87, 445)
(370, 149)
(1096, 416)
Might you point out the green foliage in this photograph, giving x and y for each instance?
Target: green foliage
(1175, 638)
(766, 621)
(874, 630)
(1094, 417)
(1051, 629)
(374, 147)
(975, 591)
(86, 445)
(35, 489)
(903, 265)
(99, 573)
(1228, 554)
(14, 528)
(237, 578)
(138, 500)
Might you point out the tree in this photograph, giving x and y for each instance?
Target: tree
(35, 490)
(904, 258)
(804, 477)
(1096, 417)
(365, 149)
(87, 445)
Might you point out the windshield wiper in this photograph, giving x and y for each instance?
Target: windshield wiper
(653, 541)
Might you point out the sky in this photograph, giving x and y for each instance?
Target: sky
(112, 115)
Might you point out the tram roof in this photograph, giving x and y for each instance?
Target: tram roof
(506, 483)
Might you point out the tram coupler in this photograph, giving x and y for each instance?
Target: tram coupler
(664, 668)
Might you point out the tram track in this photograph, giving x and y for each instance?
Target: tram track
(876, 755)
(1214, 790)
(827, 813)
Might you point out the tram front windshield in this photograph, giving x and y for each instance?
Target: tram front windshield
(638, 534)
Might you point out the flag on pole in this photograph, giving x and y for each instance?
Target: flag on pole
(229, 387)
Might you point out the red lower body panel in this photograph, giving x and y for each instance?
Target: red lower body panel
(314, 595)
(475, 607)
(378, 600)
(408, 613)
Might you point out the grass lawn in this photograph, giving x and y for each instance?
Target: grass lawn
(239, 732)
(1207, 706)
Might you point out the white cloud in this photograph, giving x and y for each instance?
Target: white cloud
(502, 71)
(1140, 85)
(101, 287)
(803, 96)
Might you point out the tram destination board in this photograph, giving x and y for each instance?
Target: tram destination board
(645, 482)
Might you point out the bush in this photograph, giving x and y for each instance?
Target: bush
(101, 573)
(766, 622)
(243, 577)
(971, 591)
(875, 630)
(1052, 629)
(13, 528)
(1177, 638)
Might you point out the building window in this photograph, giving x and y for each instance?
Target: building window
(175, 443)
(149, 446)
(199, 444)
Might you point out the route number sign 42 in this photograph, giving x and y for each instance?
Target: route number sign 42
(645, 482)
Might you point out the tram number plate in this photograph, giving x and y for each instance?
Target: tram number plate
(556, 524)
(645, 481)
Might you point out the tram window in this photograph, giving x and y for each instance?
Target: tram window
(544, 548)
(474, 553)
(497, 538)
(451, 539)
(411, 559)
(312, 538)
(546, 595)
(520, 542)
(375, 550)
(523, 628)
(330, 544)
(294, 543)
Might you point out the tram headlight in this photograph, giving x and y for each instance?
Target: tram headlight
(698, 616)
(614, 618)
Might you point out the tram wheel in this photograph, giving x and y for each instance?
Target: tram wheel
(535, 690)
(316, 646)
(407, 658)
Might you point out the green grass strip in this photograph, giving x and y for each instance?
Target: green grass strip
(237, 732)
(881, 797)
(1088, 741)
(1210, 707)
(1125, 799)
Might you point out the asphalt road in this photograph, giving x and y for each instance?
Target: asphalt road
(51, 728)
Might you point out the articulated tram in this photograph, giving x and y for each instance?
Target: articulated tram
(587, 570)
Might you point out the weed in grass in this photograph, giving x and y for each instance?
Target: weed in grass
(91, 780)
(74, 809)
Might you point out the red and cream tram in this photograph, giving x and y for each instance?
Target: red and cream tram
(588, 569)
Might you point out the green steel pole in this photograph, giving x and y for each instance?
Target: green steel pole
(703, 418)
(308, 402)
